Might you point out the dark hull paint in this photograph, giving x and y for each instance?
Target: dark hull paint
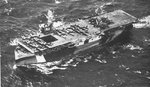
(67, 53)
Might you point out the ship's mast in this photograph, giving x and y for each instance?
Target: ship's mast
(49, 24)
(50, 17)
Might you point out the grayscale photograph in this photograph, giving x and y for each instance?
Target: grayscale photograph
(75, 43)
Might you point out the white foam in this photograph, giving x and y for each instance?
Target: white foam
(139, 25)
(55, 67)
(101, 61)
(48, 64)
(85, 60)
(103, 86)
(144, 23)
(133, 47)
(13, 42)
(47, 70)
(57, 2)
(113, 52)
(124, 67)
(6, 1)
(15, 67)
(148, 77)
(138, 72)
(74, 65)
(146, 19)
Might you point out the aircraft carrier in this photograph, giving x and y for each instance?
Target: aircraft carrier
(74, 38)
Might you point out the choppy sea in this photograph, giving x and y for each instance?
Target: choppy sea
(119, 65)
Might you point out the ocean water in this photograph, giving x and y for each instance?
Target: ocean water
(123, 64)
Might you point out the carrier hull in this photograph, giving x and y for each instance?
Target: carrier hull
(67, 46)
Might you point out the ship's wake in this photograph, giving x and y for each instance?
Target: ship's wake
(46, 72)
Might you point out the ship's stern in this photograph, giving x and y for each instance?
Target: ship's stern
(23, 58)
